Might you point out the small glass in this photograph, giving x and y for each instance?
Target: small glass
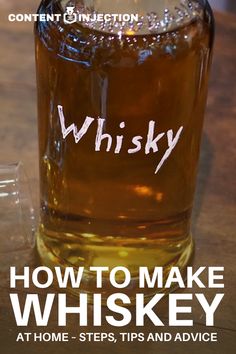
(17, 228)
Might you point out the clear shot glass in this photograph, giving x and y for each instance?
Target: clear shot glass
(17, 216)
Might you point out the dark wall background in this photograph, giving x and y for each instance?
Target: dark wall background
(226, 5)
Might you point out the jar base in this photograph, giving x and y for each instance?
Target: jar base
(54, 252)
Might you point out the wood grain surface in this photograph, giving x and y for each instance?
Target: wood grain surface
(214, 221)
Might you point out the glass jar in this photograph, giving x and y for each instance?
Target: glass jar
(122, 89)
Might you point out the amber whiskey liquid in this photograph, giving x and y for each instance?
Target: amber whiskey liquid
(117, 198)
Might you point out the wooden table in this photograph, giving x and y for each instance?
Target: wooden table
(214, 222)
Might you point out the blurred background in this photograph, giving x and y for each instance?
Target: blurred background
(226, 5)
(214, 221)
